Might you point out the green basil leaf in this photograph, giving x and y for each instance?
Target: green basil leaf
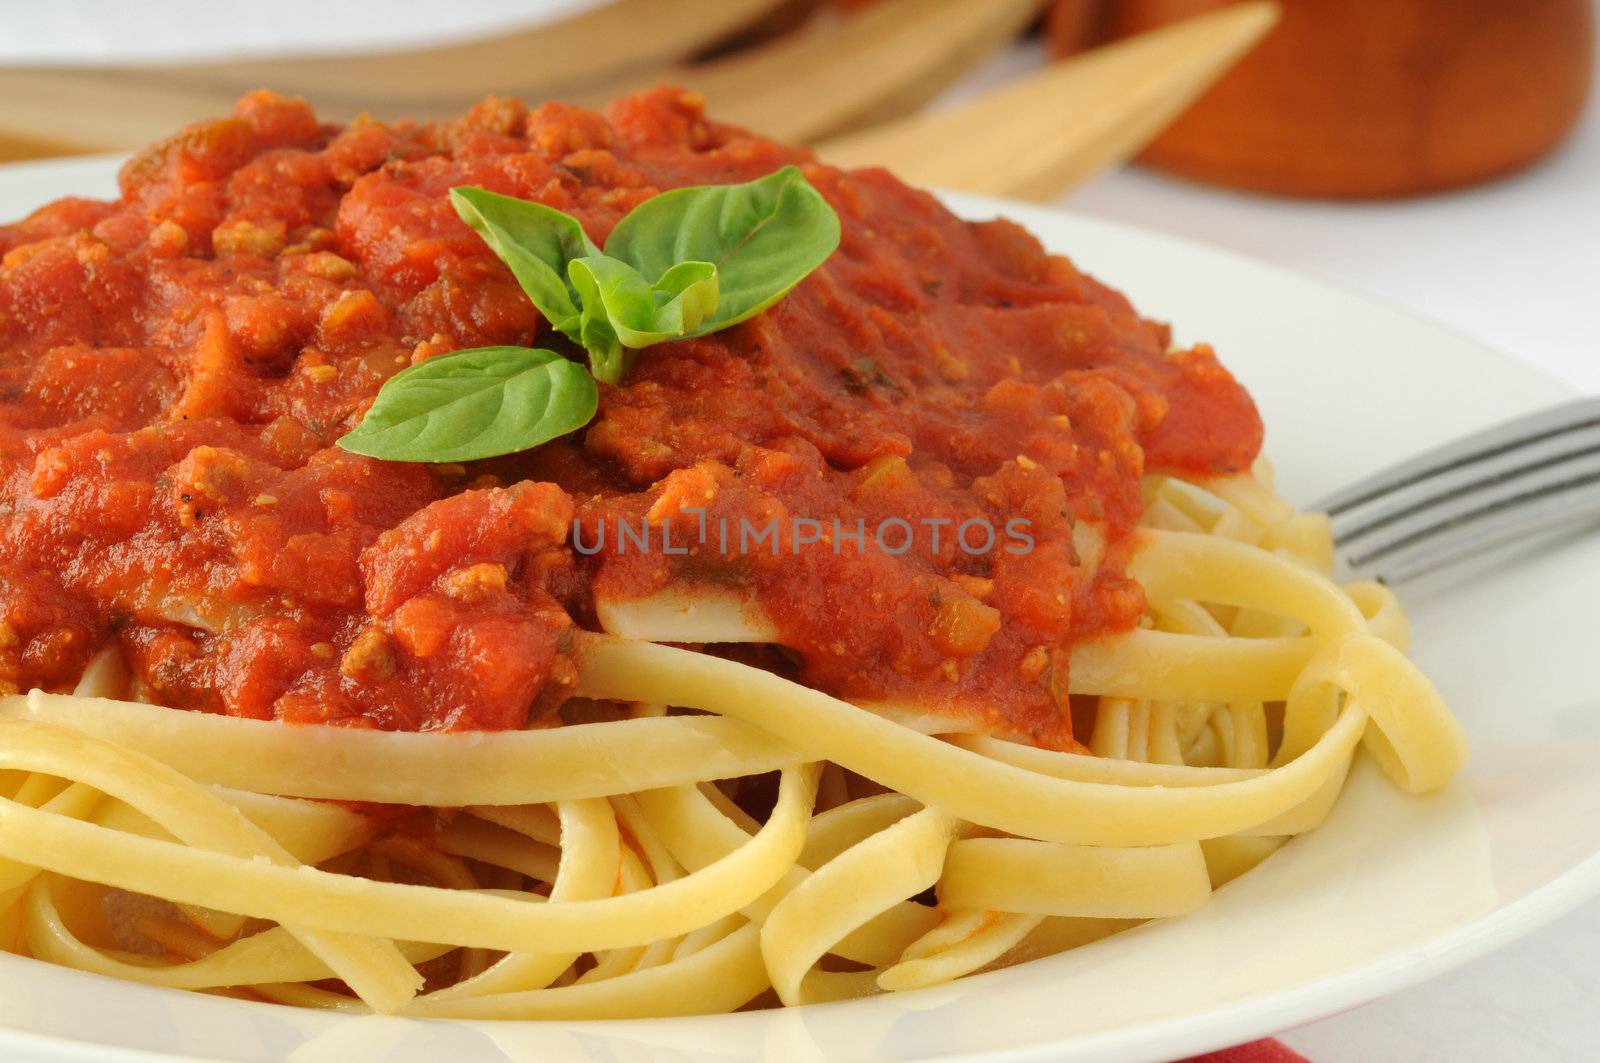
(695, 288)
(634, 312)
(473, 404)
(763, 237)
(643, 313)
(616, 291)
(536, 241)
(682, 264)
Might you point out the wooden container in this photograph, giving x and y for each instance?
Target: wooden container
(1370, 98)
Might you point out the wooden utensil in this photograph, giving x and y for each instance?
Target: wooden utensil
(64, 111)
(1046, 133)
(880, 64)
(1357, 98)
(551, 61)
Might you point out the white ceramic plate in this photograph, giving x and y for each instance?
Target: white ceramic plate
(1390, 891)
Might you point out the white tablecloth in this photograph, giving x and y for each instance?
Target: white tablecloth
(1517, 264)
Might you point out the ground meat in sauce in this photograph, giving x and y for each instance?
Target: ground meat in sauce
(176, 365)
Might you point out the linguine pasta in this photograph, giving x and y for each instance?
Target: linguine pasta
(606, 869)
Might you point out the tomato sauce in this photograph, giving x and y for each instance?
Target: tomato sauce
(176, 366)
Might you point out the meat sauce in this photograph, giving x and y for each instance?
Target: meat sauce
(176, 366)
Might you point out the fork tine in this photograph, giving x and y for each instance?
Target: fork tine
(1506, 438)
(1569, 503)
(1471, 484)
(1534, 474)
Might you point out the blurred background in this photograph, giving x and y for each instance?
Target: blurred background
(1440, 155)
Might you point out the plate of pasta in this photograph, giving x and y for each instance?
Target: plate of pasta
(558, 584)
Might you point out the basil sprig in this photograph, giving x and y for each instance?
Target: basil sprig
(682, 264)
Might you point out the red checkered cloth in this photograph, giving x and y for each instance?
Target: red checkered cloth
(1268, 1051)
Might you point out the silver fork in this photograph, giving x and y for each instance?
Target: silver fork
(1532, 475)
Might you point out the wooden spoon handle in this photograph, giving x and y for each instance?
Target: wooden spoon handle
(1040, 136)
(60, 111)
(550, 61)
(880, 64)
